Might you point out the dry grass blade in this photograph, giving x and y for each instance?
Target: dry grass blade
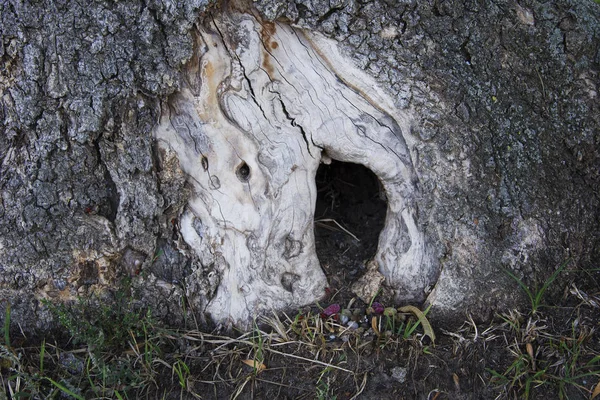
(362, 387)
(296, 388)
(240, 388)
(586, 299)
(308, 360)
(275, 323)
(320, 222)
(474, 327)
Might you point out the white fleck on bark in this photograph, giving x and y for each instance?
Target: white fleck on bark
(264, 104)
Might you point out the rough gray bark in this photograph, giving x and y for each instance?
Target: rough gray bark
(503, 138)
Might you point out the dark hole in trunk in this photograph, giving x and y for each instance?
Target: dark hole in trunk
(351, 195)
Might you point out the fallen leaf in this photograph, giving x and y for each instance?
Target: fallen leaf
(529, 347)
(456, 381)
(258, 366)
(331, 310)
(596, 392)
(424, 322)
(374, 325)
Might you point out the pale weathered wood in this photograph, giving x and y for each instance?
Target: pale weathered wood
(265, 104)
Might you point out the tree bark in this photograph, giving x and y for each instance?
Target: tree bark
(176, 144)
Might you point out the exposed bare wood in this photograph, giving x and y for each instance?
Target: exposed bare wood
(266, 104)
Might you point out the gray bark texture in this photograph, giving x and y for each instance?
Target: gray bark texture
(504, 141)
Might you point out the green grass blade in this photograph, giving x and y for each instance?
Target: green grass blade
(583, 375)
(523, 286)
(7, 326)
(42, 354)
(374, 297)
(501, 379)
(64, 389)
(548, 282)
(593, 361)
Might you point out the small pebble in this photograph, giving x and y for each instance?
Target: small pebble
(399, 374)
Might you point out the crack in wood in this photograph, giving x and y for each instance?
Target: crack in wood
(295, 125)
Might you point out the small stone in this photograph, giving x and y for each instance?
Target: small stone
(343, 319)
(399, 374)
(368, 285)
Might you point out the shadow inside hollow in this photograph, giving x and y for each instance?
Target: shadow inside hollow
(350, 205)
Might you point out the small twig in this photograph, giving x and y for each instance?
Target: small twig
(339, 226)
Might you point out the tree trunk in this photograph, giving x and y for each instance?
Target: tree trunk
(175, 144)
